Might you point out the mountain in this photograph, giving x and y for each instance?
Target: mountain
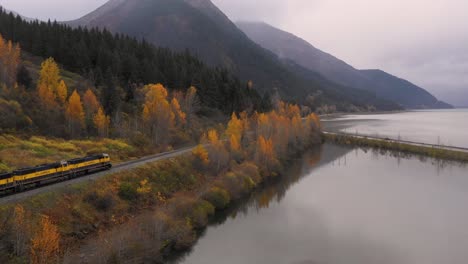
(16, 14)
(403, 91)
(203, 29)
(383, 85)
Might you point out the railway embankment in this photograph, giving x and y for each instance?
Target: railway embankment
(441, 152)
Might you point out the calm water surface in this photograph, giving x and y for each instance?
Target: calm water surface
(447, 127)
(348, 206)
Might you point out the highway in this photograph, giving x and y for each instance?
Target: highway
(13, 198)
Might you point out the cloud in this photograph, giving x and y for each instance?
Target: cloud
(60, 10)
(423, 41)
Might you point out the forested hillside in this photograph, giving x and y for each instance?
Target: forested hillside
(116, 65)
(202, 28)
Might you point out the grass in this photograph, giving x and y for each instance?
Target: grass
(16, 152)
(432, 152)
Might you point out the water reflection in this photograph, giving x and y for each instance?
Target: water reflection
(443, 127)
(342, 205)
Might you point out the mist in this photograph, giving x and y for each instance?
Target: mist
(425, 42)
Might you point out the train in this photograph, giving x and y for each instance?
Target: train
(26, 178)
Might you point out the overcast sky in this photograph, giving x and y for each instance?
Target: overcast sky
(424, 41)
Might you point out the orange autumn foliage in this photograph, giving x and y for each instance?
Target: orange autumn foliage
(20, 229)
(265, 151)
(157, 113)
(234, 143)
(45, 244)
(46, 96)
(62, 92)
(234, 132)
(201, 154)
(48, 83)
(180, 116)
(9, 61)
(75, 113)
(101, 122)
(91, 103)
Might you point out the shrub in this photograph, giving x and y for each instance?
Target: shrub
(128, 192)
(218, 197)
(100, 202)
(249, 169)
(181, 234)
(201, 212)
(233, 184)
(196, 211)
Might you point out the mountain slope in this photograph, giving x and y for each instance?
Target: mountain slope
(385, 86)
(402, 91)
(181, 25)
(16, 14)
(203, 29)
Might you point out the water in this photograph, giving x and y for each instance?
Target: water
(348, 206)
(444, 127)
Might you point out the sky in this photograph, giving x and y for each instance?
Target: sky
(423, 41)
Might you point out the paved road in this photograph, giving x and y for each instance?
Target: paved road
(453, 148)
(89, 178)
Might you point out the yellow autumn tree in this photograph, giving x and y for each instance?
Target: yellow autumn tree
(315, 119)
(201, 155)
(45, 244)
(75, 114)
(234, 143)
(91, 103)
(91, 106)
(62, 92)
(157, 114)
(217, 153)
(234, 132)
(46, 96)
(101, 122)
(180, 116)
(48, 83)
(264, 126)
(9, 62)
(265, 152)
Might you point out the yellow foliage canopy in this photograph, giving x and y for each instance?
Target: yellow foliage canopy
(74, 111)
(9, 61)
(201, 154)
(101, 122)
(62, 92)
(235, 128)
(178, 113)
(234, 143)
(90, 102)
(51, 89)
(157, 113)
(45, 243)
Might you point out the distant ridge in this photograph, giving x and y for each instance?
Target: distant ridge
(383, 85)
(202, 28)
(16, 14)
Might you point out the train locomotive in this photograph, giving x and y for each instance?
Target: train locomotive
(27, 178)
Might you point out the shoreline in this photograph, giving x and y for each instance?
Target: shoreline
(392, 145)
(329, 117)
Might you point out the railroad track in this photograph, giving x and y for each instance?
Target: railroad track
(454, 148)
(16, 197)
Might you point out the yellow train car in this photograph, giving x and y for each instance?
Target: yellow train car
(6, 181)
(89, 164)
(21, 179)
(36, 175)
